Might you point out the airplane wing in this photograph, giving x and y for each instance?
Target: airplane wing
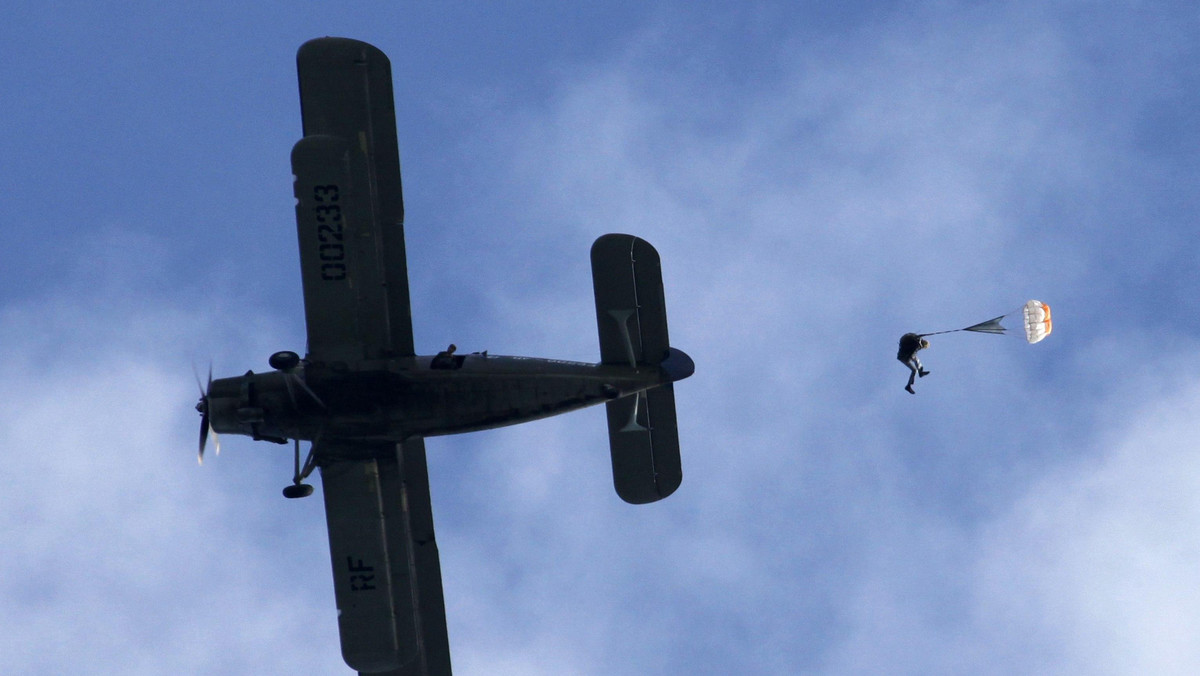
(349, 205)
(386, 571)
(350, 222)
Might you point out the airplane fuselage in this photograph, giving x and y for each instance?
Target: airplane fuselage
(365, 399)
(396, 399)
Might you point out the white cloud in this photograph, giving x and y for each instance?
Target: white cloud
(1030, 508)
(124, 555)
(837, 518)
(1099, 559)
(1089, 568)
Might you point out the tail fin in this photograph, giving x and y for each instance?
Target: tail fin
(631, 317)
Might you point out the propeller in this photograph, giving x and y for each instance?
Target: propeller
(205, 424)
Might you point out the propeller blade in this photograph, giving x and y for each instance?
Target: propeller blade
(203, 437)
(205, 425)
(206, 431)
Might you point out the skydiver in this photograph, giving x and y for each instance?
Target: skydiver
(910, 344)
(445, 359)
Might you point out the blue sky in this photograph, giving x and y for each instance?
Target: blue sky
(817, 182)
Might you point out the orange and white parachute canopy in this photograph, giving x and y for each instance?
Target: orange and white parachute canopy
(1037, 323)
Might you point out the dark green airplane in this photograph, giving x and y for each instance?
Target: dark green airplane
(366, 401)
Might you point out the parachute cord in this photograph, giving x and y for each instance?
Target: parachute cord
(938, 333)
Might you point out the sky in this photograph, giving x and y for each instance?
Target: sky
(819, 178)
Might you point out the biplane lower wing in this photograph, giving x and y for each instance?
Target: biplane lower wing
(343, 293)
(386, 571)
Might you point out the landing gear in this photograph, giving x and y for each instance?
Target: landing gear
(284, 361)
(298, 489)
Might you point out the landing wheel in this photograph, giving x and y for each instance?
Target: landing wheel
(298, 491)
(284, 361)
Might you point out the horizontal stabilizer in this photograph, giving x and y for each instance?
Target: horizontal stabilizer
(631, 314)
(644, 440)
(631, 317)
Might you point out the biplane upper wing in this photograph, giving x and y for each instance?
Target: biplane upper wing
(386, 570)
(349, 205)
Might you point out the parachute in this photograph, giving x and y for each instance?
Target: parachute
(1037, 323)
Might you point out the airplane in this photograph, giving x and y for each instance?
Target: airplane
(366, 401)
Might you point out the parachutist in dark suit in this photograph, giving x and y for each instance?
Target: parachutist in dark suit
(910, 344)
(446, 359)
